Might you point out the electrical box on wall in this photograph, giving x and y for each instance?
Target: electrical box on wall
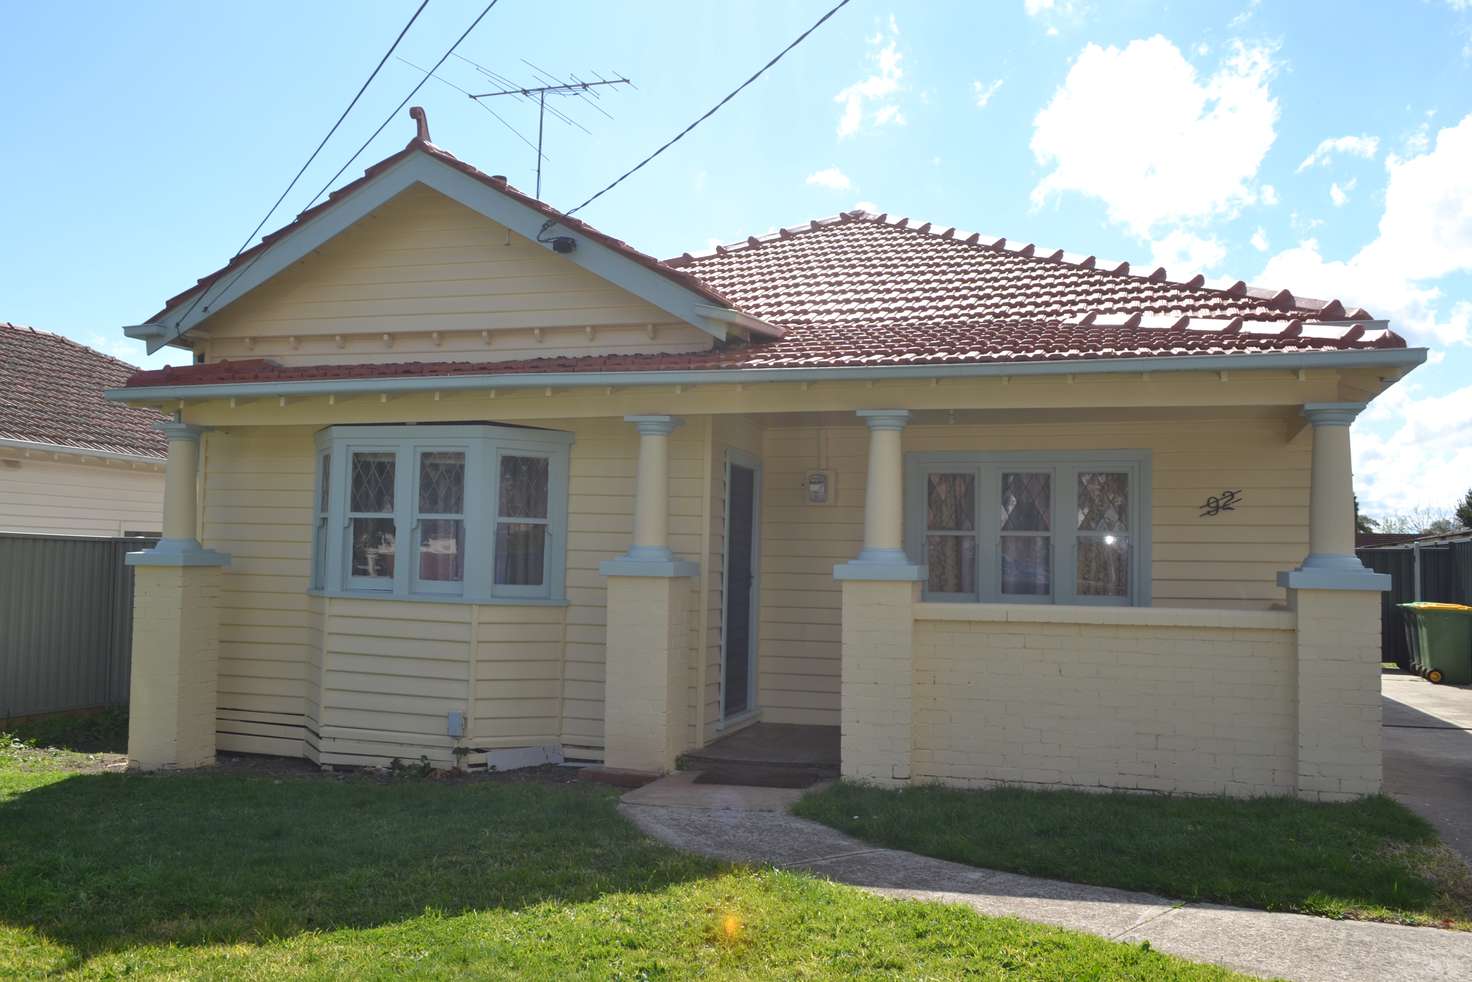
(818, 487)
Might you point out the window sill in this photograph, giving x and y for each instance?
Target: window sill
(1265, 620)
(429, 598)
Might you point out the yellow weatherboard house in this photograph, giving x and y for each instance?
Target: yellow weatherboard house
(457, 476)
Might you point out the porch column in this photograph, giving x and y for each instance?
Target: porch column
(880, 588)
(648, 634)
(171, 717)
(1337, 601)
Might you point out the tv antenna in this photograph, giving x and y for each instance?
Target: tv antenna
(585, 89)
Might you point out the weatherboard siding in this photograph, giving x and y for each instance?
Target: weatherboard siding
(69, 497)
(423, 265)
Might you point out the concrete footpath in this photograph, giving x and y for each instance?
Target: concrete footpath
(752, 825)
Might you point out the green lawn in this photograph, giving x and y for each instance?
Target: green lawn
(233, 875)
(1371, 859)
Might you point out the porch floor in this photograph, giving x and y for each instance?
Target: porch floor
(772, 746)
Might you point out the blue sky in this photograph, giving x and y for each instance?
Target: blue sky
(1326, 147)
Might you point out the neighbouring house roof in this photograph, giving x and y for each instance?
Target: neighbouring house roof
(51, 394)
(862, 290)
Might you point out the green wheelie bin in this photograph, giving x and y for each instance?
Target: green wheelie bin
(1444, 641)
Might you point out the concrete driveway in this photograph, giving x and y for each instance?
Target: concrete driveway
(1428, 753)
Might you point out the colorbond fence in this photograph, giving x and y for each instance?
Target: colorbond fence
(66, 623)
(1446, 577)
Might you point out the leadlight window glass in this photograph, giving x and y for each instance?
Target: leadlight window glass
(478, 509)
(441, 521)
(1027, 548)
(950, 532)
(521, 525)
(1103, 534)
(1030, 528)
(374, 531)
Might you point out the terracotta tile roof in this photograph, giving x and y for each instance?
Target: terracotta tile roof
(861, 268)
(864, 291)
(841, 345)
(861, 289)
(51, 392)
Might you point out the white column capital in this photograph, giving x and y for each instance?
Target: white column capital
(885, 419)
(883, 556)
(179, 547)
(1332, 413)
(655, 425)
(650, 554)
(1331, 563)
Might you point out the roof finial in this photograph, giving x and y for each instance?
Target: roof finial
(417, 114)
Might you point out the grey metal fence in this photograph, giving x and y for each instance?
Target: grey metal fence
(1445, 577)
(66, 622)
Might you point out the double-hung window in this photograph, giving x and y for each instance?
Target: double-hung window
(473, 511)
(1031, 527)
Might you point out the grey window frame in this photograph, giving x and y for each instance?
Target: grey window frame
(321, 515)
(483, 445)
(1064, 467)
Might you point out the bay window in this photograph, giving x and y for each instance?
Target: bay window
(473, 512)
(1030, 527)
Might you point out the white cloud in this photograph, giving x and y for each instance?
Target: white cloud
(1353, 146)
(868, 206)
(1244, 15)
(1183, 251)
(876, 92)
(1413, 451)
(831, 178)
(1259, 239)
(1268, 195)
(1196, 158)
(984, 92)
(1052, 12)
(1339, 194)
(1425, 234)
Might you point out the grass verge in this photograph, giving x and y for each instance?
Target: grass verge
(225, 875)
(1371, 859)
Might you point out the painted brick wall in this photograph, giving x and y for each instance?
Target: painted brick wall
(1339, 686)
(1160, 707)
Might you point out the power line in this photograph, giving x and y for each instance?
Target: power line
(361, 89)
(372, 75)
(412, 93)
(708, 114)
(356, 154)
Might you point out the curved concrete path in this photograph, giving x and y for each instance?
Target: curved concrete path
(752, 825)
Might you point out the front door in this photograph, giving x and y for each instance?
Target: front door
(738, 689)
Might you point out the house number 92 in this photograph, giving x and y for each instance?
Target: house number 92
(1218, 503)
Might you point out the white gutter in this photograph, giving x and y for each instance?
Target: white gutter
(81, 451)
(1288, 361)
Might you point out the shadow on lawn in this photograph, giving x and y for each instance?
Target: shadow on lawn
(102, 862)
